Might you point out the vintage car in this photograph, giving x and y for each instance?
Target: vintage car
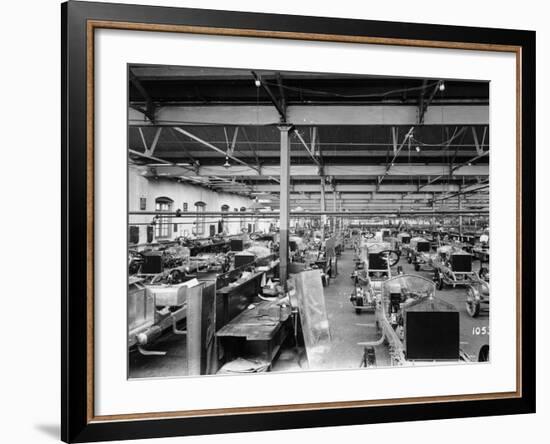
(374, 266)
(403, 240)
(419, 253)
(405, 306)
(453, 267)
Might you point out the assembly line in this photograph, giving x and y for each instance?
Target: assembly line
(289, 221)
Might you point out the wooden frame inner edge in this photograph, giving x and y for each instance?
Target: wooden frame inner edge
(97, 24)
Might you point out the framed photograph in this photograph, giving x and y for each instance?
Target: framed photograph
(275, 221)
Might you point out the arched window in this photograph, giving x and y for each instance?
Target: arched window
(200, 208)
(162, 227)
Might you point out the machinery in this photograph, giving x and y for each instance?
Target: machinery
(419, 252)
(152, 309)
(135, 260)
(372, 268)
(453, 266)
(380, 258)
(481, 253)
(415, 325)
(403, 240)
(175, 260)
(363, 295)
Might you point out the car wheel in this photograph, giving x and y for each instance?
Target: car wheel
(473, 307)
(484, 354)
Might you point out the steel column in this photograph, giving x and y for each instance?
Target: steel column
(284, 202)
(460, 217)
(323, 208)
(334, 209)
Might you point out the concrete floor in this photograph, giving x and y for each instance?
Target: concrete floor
(348, 328)
(345, 326)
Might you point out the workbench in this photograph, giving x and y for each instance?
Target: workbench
(256, 332)
(241, 295)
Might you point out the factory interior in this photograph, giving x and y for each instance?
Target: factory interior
(291, 221)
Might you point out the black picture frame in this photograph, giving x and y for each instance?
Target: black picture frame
(77, 425)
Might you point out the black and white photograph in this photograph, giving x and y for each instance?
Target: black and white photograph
(272, 222)
(284, 221)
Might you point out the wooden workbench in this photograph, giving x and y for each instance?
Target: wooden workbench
(242, 293)
(256, 332)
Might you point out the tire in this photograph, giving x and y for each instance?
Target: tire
(473, 307)
(483, 354)
(177, 276)
(392, 256)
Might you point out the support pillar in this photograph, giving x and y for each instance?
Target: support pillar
(460, 217)
(284, 203)
(323, 208)
(335, 218)
(433, 216)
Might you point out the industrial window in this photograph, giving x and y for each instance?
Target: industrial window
(142, 203)
(162, 227)
(185, 207)
(200, 208)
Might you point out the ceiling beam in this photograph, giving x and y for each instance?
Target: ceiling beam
(310, 115)
(310, 151)
(341, 152)
(340, 171)
(153, 146)
(213, 147)
(426, 103)
(407, 138)
(278, 106)
(357, 188)
(149, 110)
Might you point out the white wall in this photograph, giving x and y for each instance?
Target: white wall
(29, 375)
(140, 186)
